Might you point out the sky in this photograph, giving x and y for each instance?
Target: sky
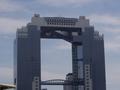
(103, 14)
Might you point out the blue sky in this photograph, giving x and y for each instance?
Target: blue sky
(103, 14)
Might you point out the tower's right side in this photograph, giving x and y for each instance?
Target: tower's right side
(94, 60)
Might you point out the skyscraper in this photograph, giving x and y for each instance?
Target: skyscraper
(88, 63)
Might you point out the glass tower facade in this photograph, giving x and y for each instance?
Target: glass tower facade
(88, 63)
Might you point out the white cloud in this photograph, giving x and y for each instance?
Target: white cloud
(63, 45)
(6, 75)
(113, 76)
(105, 19)
(112, 45)
(64, 2)
(54, 46)
(113, 30)
(46, 75)
(9, 6)
(8, 25)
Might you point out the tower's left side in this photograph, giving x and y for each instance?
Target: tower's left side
(27, 61)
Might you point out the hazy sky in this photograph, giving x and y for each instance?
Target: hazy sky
(103, 14)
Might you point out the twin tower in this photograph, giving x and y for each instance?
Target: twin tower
(88, 63)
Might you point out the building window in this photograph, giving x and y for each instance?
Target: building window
(36, 81)
(36, 89)
(88, 89)
(36, 85)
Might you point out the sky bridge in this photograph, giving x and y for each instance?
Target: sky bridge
(62, 82)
